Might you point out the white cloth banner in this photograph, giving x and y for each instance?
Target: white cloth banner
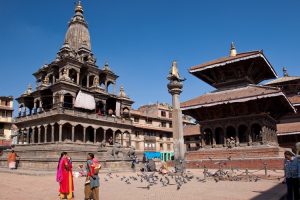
(85, 101)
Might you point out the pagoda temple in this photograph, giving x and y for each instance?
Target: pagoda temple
(288, 128)
(239, 118)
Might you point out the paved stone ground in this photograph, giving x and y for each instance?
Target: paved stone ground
(34, 185)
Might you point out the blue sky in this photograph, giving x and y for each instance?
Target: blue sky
(140, 38)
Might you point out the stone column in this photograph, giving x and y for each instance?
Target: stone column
(52, 133)
(73, 134)
(114, 137)
(27, 136)
(95, 131)
(88, 81)
(104, 135)
(175, 88)
(122, 139)
(77, 81)
(46, 132)
(84, 134)
(39, 134)
(60, 133)
(32, 135)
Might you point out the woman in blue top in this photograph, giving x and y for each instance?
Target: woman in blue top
(292, 174)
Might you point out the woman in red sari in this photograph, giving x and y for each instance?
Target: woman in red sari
(64, 177)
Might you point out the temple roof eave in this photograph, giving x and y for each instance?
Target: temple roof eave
(199, 70)
(283, 80)
(227, 60)
(227, 97)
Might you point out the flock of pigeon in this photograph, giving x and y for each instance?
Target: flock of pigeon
(154, 178)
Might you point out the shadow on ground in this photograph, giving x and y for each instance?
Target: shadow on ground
(277, 192)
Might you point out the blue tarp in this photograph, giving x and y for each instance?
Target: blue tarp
(151, 155)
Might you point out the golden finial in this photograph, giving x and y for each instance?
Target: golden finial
(232, 50)
(285, 73)
(79, 7)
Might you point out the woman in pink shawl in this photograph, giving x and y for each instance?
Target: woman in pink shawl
(64, 177)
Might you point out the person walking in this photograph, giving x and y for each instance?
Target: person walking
(12, 160)
(64, 177)
(292, 175)
(92, 183)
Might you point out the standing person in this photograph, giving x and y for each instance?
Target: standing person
(64, 177)
(91, 188)
(292, 174)
(12, 160)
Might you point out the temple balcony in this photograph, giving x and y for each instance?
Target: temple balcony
(73, 113)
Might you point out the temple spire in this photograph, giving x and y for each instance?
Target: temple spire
(232, 50)
(78, 34)
(285, 73)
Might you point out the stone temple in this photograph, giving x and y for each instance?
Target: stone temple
(75, 108)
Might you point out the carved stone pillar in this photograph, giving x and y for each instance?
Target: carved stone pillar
(95, 131)
(33, 135)
(104, 135)
(73, 136)
(60, 133)
(27, 136)
(39, 134)
(84, 134)
(52, 132)
(114, 137)
(77, 81)
(46, 132)
(88, 81)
